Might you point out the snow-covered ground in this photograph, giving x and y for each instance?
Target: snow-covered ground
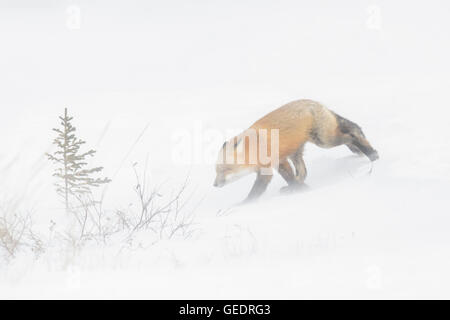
(139, 75)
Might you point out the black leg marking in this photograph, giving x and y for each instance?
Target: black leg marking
(261, 183)
(286, 172)
(300, 167)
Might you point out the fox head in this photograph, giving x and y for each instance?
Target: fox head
(351, 134)
(231, 163)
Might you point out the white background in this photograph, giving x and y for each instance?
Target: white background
(178, 66)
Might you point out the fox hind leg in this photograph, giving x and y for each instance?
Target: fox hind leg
(285, 170)
(299, 165)
(287, 173)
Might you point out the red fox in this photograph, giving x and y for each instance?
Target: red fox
(294, 124)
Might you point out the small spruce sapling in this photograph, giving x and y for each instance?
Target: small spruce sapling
(74, 179)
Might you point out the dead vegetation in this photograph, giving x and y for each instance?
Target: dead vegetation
(16, 233)
(155, 215)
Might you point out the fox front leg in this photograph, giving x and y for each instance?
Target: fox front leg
(262, 181)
